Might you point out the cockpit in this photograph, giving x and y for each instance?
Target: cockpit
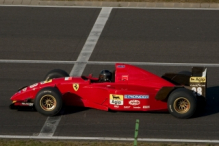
(104, 76)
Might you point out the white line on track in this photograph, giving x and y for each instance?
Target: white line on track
(91, 42)
(36, 61)
(168, 8)
(155, 63)
(49, 126)
(108, 63)
(108, 139)
(51, 123)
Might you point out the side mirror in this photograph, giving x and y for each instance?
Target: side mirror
(90, 75)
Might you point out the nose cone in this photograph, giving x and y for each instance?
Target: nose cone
(18, 96)
(25, 93)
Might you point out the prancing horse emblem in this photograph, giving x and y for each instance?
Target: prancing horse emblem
(76, 86)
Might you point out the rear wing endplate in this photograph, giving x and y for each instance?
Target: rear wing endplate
(198, 81)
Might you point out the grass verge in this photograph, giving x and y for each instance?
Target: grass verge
(180, 1)
(9, 142)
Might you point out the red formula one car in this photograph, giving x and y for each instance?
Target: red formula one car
(128, 88)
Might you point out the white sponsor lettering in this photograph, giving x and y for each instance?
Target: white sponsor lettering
(116, 106)
(136, 96)
(134, 102)
(68, 78)
(146, 106)
(34, 85)
(170, 108)
(138, 107)
(126, 106)
(24, 89)
(28, 104)
(197, 85)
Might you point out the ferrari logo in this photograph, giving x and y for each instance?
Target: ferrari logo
(76, 86)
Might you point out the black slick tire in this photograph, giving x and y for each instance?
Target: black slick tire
(182, 103)
(56, 73)
(48, 101)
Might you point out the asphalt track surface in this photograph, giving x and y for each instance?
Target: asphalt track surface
(134, 35)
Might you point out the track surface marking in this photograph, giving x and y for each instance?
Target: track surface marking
(51, 123)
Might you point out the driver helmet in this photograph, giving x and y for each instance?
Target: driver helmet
(105, 76)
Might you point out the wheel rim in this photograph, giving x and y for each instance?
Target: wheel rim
(181, 105)
(48, 102)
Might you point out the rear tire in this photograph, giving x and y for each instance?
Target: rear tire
(56, 73)
(182, 103)
(48, 101)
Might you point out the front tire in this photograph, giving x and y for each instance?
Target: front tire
(56, 73)
(182, 103)
(48, 101)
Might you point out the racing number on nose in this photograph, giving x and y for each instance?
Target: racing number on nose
(76, 86)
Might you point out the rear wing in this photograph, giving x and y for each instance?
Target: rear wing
(195, 80)
(198, 81)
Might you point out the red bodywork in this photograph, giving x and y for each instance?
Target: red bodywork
(133, 89)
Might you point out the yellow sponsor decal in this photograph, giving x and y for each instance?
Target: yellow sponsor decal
(198, 79)
(116, 99)
(76, 86)
(14, 101)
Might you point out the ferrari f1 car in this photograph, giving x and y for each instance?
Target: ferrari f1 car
(128, 89)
